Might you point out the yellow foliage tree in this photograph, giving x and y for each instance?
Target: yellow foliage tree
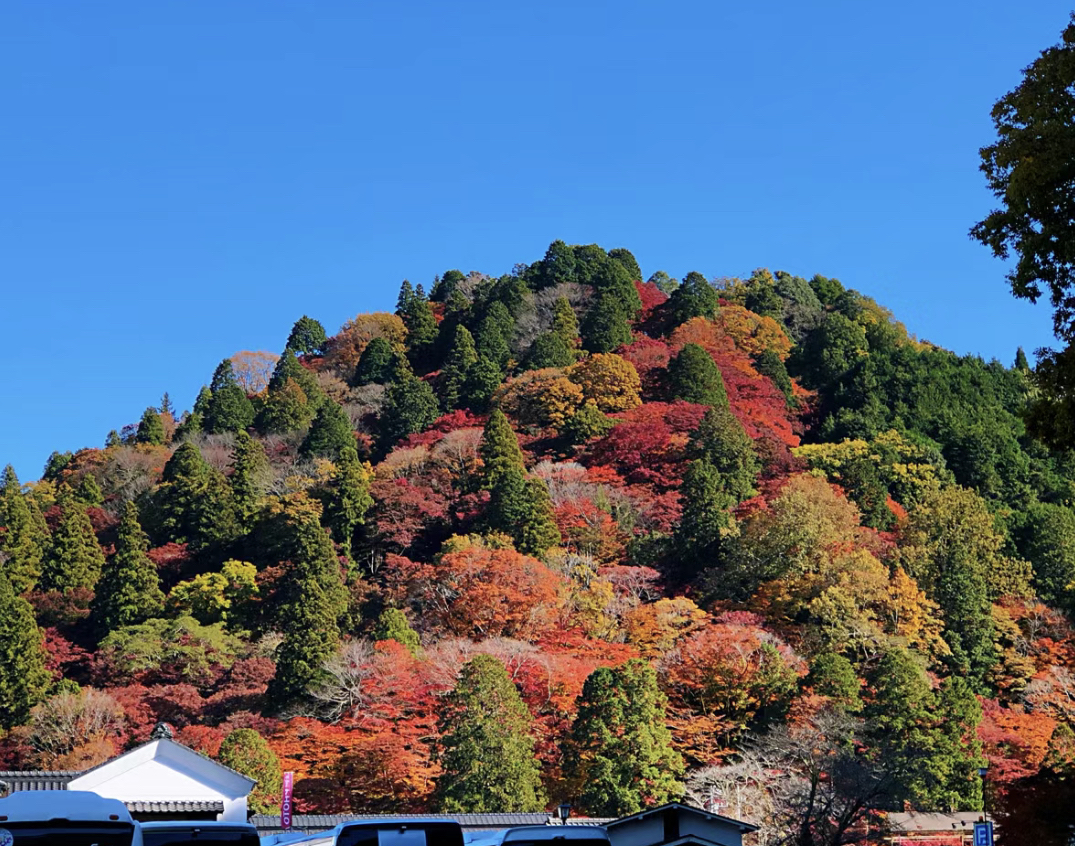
(541, 398)
(609, 380)
(655, 627)
(752, 333)
(343, 350)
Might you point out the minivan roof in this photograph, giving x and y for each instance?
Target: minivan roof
(185, 824)
(46, 805)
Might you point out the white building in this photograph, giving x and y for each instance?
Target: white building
(676, 824)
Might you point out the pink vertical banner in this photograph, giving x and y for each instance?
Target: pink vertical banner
(285, 801)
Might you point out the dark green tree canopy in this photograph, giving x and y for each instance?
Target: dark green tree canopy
(394, 625)
(23, 677)
(694, 376)
(694, 297)
(129, 591)
(307, 337)
(410, 406)
(329, 433)
(74, 557)
(150, 428)
(375, 363)
(23, 541)
(247, 752)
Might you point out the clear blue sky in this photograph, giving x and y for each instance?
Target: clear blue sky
(182, 180)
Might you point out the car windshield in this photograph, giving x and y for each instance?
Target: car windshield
(214, 836)
(421, 834)
(66, 834)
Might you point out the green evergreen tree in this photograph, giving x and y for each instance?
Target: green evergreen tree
(536, 530)
(557, 266)
(664, 283)
(112, 439)
(627, 261)
(229, 408)
(410, 406)
(694, 376)
(193, 503)
(610, 276)
(312, 599)
(375, 364)
(1021, 362)
(23, 677)
(202, 401)
(194, 423)
(832, 675)
(55, 465)
(461, 359)
(446, 286)
(307, 337)
(289, 368)
(249, 476)
(285, 409)
(74, 557)
(417, 316)
(768, 363)
(586, 423)
(247, 752)
(23, 541)
(329, 433)
(499, 449)
(393, 625)
(481, 383)
(694, 297)
(619, 755)
(549, 350)
(721, 440)
(606, 326)
(564, 323)
(150, 428)
(89, 493)
(351, 498)
(486, 750)
(706, 516)
(494, 334)
(166, 406)
(128, 591)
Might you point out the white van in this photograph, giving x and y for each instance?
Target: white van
(543, 835)
(391, 831)
(65, 818)
(206, 833)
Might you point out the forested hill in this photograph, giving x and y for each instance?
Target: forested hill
(565, 535)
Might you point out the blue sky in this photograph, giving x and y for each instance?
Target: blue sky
(182, 180)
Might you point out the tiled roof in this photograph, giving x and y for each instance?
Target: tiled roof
(178, 806)
(268, 823)
(918, 822)
(13, 780)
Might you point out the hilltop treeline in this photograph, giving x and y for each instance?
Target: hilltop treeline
(563, 534)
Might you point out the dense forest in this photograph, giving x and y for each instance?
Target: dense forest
(568, 535)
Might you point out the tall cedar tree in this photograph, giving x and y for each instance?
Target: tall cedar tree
(486, 751)
(494, 335)
(329, 433)
(249, 472)
(619, 756)
(557, 266)
(23, 677)
(416, 312)
(627, 261)
(445, 286)
(694, 376)
(74, 558)
(89, 493)
(307, 337)
(606, 326)
(482, 382)
(518, 506)
(312, 601)
(728, 449)
(229, 408)
(247, 752)
(194, 423)
(461, 359)
(768, 363)
(393, 625)
(350, 498)
(375, 364)
(564, 323)
(150, 428)
(706, 517)
(549, 350)
(410, 406)
(285, 409)
(129, 589)
(193, 503)
(23, 541)
(695, 297)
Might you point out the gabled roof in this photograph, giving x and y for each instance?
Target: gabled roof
(162, 748)
(13, 780)
(744, 827)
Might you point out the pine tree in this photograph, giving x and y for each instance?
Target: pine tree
(627, 261)
(112, 439)
(694, 376)
(721, 440)
(393, 625)
(549, 350)
(619, 755)
(410, 406)
(557, 266)
(312, 601)
(74, 557)
(1021, 362)
(588, 422)
(89, 492)
(329, 433)
(23, 677)
(22, 542)
(768, 363)
(537, 531)
(247, 752)
(375, 364)
(285, 409)
(417, 316)
(606, 326)
(289, 368)
(250, 471)
(404, 300)
(351, 498)
(229, 408)
(482, 381)
(694, 297)
(445, 286)
(486, 751)
(461, 359)
(166, 406)
(494, 334)
(55, 465)
(150, 428)
(128, 591)
(307, 337)
(499, 448)
(193, 503)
